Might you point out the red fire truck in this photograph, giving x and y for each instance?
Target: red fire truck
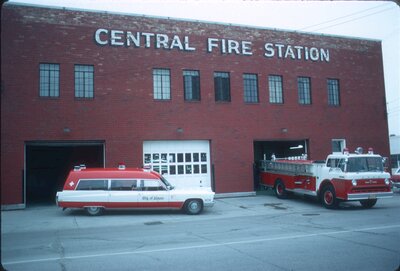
(342, 177)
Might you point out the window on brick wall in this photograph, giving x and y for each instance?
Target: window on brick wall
(84, 81)
(49, 85)
(304, 90)
(161, 84)
(250, 88)
(333, 92)
(275, 89)
(222, 87)
(191, 84)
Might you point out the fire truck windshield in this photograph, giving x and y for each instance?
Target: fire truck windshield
(364, 164)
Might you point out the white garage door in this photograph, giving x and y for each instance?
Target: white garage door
(182, 163)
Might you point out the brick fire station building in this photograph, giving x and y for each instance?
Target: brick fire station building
(200, 102)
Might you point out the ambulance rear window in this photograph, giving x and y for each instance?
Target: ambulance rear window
(92, 185)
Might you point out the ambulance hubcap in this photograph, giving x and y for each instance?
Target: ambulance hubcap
(194, 205)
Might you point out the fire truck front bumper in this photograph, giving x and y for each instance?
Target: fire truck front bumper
(364, 196)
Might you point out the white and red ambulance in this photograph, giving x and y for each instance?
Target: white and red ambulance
(342, 177)
(100, 188)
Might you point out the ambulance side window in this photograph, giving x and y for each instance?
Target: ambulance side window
(123, 185)
(92, 185)
(152, 185)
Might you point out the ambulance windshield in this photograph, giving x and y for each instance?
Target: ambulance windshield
(364, 164)
(167, 184)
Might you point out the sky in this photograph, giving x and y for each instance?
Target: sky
(378, 20)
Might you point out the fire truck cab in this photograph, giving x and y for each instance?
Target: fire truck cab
(341, 177)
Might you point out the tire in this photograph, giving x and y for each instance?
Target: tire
(280, 190)
(193, 206)
(94, 210)
(369, 203)
(328, 197)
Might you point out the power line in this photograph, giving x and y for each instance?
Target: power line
(345, 16)
(355, 19)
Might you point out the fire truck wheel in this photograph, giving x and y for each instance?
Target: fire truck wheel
(280, 190)
(94, 210)
(193, 206)
(328, 197)
(369, 203)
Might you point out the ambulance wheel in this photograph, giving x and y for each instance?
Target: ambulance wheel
(280, 190)
(94, 210)
(193, 206)
(328, 197)
(369, 203)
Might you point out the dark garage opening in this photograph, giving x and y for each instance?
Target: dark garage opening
(47, 166)
(279, 148)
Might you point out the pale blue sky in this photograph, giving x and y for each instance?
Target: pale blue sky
(379, 20)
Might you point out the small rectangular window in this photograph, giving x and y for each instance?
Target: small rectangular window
(333, 92)
(49, 77)
(250, 88)
(172, 170)
(180, 169)
(304, 90)
(84, 81)
(191, 85)
(222, 87)
(275, 89)
(161, 84)
(203, 169)
(196, 169)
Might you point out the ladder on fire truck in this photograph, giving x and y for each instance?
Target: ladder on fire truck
(292, 167)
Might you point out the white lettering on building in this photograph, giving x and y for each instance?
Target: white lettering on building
(122, 38)
(296, 52)
(229, 46)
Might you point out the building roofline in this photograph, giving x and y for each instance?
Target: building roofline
(187, 20)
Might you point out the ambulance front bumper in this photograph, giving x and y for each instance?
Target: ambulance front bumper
(366, 196)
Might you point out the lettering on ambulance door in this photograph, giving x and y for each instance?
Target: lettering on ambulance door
(124, 191)
(153, 193)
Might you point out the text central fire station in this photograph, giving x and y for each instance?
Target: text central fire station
(199, 102)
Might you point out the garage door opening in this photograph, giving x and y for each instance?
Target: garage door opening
(264, 150)
(47, 165)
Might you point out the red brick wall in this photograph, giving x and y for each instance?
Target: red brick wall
(124, 114)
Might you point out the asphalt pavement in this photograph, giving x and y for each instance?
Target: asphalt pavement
(253, 233)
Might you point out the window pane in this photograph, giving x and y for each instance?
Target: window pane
(161, 84)
(84, 81)
(222, 87)
(250, 88)
(203, 169)
(275, 89)
(333, 92)
(191, 84)
(92, 185)
(304, 90)
(125, 185)
(49, 80)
